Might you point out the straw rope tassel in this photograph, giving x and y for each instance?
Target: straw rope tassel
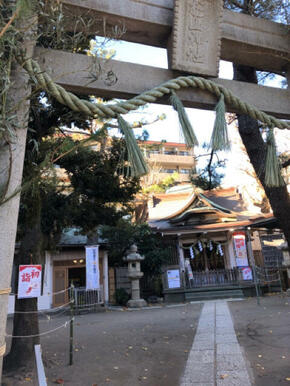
(219, 139)
(138, 166)
(187, 130)
(273, 177)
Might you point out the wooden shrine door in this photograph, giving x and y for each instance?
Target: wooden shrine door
(60, 283)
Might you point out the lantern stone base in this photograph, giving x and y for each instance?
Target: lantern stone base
(137, 303)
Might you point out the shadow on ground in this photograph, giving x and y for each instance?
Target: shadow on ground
(117, 348)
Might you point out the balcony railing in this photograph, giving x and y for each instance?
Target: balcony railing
(171, 159)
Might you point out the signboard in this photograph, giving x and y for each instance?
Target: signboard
(247, 273)
(92, 268)
(173, 278)
(240, 249)
(29, 281)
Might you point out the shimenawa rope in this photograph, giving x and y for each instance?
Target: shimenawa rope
(112, 110)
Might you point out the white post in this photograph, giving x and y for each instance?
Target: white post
(11, 161)
(45, 302)
(230, 252)
(253, 264)
(39, 366)
(181, 262)
(106, 277)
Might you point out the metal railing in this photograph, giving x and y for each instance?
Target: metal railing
(84, 299)
(269, 276)
(213, 278)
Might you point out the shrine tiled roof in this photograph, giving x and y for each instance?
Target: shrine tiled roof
(197, 211)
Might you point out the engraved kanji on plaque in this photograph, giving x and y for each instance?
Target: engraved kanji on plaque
(196, 36)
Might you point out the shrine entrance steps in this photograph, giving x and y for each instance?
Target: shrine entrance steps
(213, 293)
(208, 293)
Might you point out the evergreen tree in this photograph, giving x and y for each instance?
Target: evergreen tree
(210, 177)
(92, 194)
(125, 233)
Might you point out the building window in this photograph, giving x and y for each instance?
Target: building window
(170, 152)
(184, 171)
(154, 152)
(170, 171)
(183, 153)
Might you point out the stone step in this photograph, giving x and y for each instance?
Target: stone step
(214, 294)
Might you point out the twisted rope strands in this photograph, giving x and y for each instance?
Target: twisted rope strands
(112, 110)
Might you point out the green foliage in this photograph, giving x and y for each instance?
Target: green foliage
(53, 31)
(98, 194)
(209, 177)
(93, 194)
(124, 234)
(161, 187)
(277, 10)
(203, 180)
(121, 296)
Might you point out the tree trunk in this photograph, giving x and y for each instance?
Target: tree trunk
(11, 161)
(256, 149)
(25, 320)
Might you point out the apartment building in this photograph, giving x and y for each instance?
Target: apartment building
(166, 158)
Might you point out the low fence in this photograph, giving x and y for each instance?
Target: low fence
(84, 299)
(213, 278)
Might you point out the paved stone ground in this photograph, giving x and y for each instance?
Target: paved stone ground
(147, 347)
(264, 333)
(216, 357)
(173, 346)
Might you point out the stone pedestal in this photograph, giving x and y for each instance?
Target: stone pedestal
(134, 273)
(137, 303)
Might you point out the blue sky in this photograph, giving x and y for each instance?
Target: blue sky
(168, 129)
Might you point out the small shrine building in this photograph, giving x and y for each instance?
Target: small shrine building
(211, 231)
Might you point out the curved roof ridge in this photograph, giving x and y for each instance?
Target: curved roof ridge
(183, 208)
(216, 205)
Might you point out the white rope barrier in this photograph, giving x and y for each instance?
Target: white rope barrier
(42, 333)
(51, 309)
(48, 294)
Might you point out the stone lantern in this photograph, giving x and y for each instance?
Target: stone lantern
(134, 273)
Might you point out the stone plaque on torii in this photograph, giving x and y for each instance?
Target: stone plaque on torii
(196, 36)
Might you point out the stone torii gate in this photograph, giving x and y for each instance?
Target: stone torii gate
(197, 34)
